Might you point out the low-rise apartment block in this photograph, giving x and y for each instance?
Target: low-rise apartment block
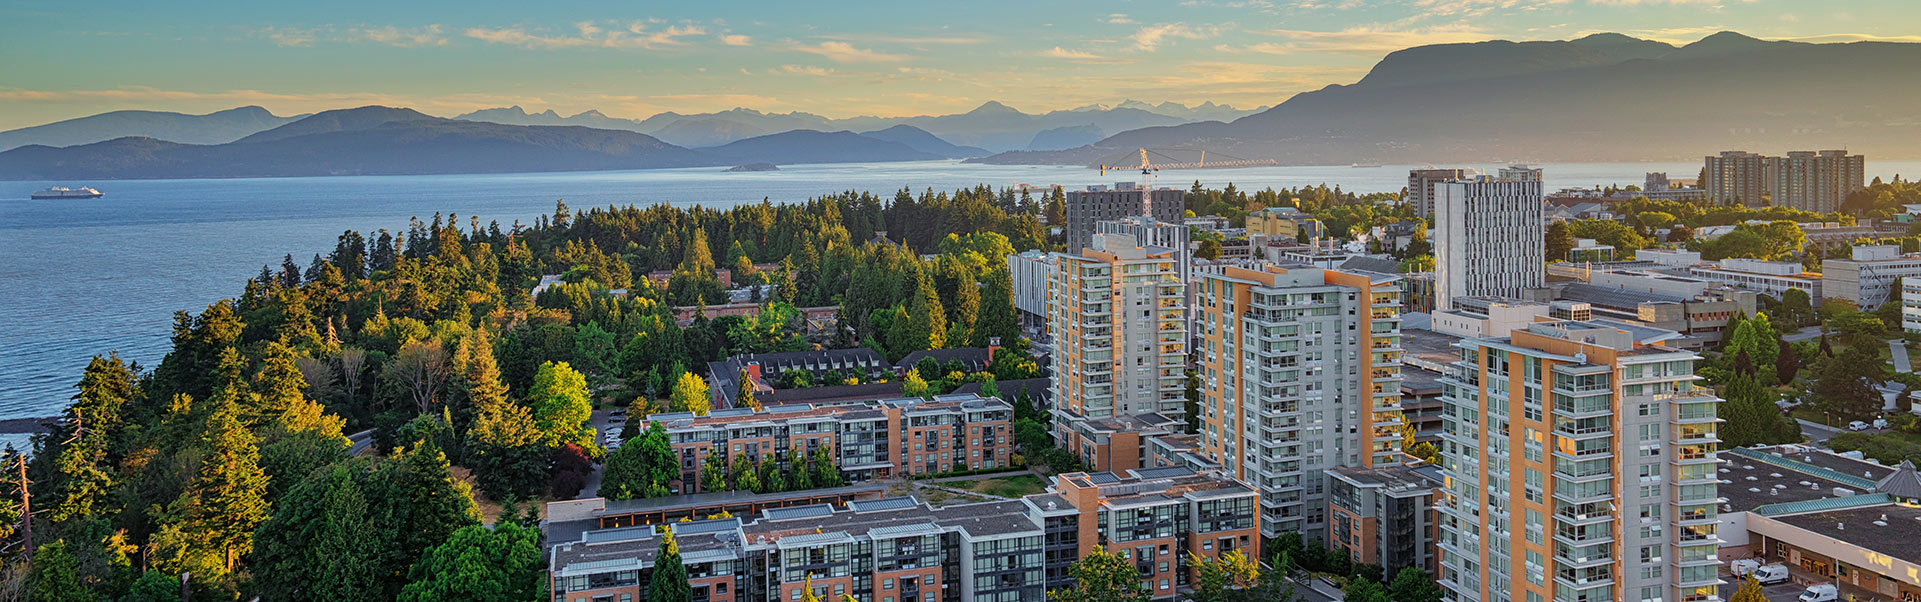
(867, 440)
(1385, 516)
(906, 550)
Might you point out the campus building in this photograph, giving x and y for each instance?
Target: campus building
(906, 550)
(1117, 313)
(1870, 276)
(1285, 223)
(1827, 517)
(1580, 463)
(1421, 184)
(1489, 235)
(1300, 373)
(1085, 208)
(867, 440)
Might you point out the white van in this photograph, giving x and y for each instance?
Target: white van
(1771, 574)
(1744, 566)
(1820, 592)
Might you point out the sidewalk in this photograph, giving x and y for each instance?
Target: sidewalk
(1898, 353)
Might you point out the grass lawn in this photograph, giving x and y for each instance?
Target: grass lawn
(1007, 487)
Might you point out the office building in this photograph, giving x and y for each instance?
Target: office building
(1300, 373)
(1580, 462)
(1489, 236)
(1815, 181)
(1871, 275)
(1384, 516)
(1736, 177)
(1085, 208)
(1911, 305)
(1117, 312)
(902, 549)
(1421, 184)
(1771, 278)
(868, 440)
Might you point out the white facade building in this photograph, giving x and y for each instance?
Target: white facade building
(1769, 278)
(1870, 277)
(1489, 235)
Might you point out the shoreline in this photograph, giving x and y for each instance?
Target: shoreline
(25, 426)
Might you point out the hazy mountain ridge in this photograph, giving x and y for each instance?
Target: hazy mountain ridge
(212, 128)
(357, 142)
(1601, 98)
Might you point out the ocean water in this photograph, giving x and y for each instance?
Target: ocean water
(79, 278)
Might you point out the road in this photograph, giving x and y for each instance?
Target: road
(1817, 431)
(1898, 353)
(601, 423)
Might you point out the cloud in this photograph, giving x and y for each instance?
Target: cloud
(394, 36)
(1151, 37)
(287, 36)
(1711, 3)
(803, 70)
(1366, 41)
(1117, 19)
(637, 34)
(910, 39)
(736, 40)
(1830, 38)
(842, 52)
(1081, 56)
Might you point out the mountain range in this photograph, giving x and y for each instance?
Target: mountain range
(390, 141)
(1604, 97)
(212, 128)
(993, 125)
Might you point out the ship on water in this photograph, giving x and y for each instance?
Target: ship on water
(62, 192)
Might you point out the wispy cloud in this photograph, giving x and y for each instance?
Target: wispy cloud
(637, 34)
(395, 36)
(1117, 19)
(842, 52)
(1368, 41)
(288, 36)
(1151, 37)
(736, 40)
(803, 70)
(1081, 56)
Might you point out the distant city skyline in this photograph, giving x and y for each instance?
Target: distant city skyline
(74, 59)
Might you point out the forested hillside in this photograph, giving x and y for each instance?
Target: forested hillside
(230, 460)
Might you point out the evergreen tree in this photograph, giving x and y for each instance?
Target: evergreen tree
(417, 504)
(669, 581)
(746, 398)
(83, 458)
(1843, 386)
(55, 576)
(826, 473)
(743, 475)
(230, 491)
(1560, 240)
(1787, 364)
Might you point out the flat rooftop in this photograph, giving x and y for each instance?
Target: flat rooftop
(1891, 530)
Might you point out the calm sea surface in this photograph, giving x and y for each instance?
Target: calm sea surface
(79, 278)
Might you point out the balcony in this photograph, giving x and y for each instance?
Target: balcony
(1584, 514)
(1582, 492)
(1583, 556)
(1583, 428)
(1585, 578)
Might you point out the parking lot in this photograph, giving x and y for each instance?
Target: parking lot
(1779, 592)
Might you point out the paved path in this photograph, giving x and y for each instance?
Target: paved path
(1806, 334)
(1817, 431)
(360, 442)
(1898, 352)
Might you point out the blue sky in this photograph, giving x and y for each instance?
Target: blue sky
(68, 58)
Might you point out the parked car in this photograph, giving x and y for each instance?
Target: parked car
(1857, 426)
(1820, 592)
(1880, 423)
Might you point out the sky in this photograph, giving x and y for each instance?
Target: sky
(61, 59)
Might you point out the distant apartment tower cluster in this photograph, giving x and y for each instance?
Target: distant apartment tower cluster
(1300, 374)
(1085, 208)
(1489, 234)
(1580, 460)
(1117, 313)
(1809, 180)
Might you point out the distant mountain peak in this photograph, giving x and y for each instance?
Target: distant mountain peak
(589, 113)
(990, 107)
